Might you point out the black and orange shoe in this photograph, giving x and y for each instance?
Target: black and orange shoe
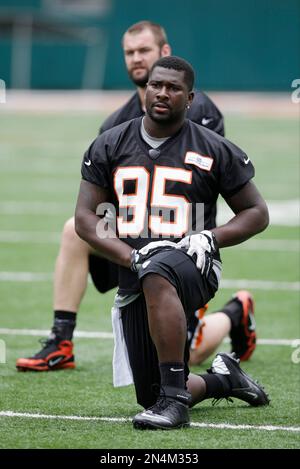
(243, 336)
(55, 355)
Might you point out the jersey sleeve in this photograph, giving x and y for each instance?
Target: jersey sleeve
(204, 112)
(95, 164)
(235, 168)
(110, 122)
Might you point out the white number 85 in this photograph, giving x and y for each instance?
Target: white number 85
(158, 199)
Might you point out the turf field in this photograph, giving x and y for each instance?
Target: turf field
(40, 157)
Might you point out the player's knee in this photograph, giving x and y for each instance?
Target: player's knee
(197, 357)
(71, 243)
(69, 233)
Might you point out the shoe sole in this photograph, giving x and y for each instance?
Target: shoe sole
(152, 426)
(45, 367)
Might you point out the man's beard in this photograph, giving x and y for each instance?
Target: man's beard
(141, 82)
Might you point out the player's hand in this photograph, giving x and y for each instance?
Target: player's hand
(138, 257)
(203, 246)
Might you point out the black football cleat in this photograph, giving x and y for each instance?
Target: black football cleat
(171, 411)
(242, 385)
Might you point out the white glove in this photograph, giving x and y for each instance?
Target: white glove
(138, 257)
(200, 244)
(156, 246)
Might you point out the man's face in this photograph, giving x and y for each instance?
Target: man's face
(167, 95)
(140, 51)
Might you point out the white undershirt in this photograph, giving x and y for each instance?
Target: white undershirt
(152, 141)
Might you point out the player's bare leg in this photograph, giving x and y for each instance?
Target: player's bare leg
(71, 270)
(70, 281)
(216, 327)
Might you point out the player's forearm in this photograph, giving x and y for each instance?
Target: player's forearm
(90, 229)
(243, 226)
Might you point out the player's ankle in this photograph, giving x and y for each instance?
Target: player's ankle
(172, 374)
(233, 309)
(63, 325)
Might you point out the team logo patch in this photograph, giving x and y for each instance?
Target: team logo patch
(202, 162)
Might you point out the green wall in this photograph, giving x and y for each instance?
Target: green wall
(233, 45)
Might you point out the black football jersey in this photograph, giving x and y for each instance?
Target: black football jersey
(192, 167)
(202, 111)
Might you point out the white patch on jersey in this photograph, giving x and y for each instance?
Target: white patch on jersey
(145, 264)
(202, 162)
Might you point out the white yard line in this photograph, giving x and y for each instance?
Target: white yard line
(259, 284)
(227, 426)
(44, 333)
(25, 277)
(282, 212)
(219, 426)
(225, 283)
(109, 335)
(31, 237)
(12, 207)
(284, 245)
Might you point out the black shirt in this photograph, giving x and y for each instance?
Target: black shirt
(202, 111)
(192, 167)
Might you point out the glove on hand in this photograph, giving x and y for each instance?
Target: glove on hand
(203, 245)
(138, 257)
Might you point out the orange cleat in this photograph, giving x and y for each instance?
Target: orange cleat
(55, 355)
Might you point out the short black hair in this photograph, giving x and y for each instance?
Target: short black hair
(177, 63)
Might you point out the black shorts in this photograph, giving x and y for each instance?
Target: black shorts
(194, 290)
(104, 273)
